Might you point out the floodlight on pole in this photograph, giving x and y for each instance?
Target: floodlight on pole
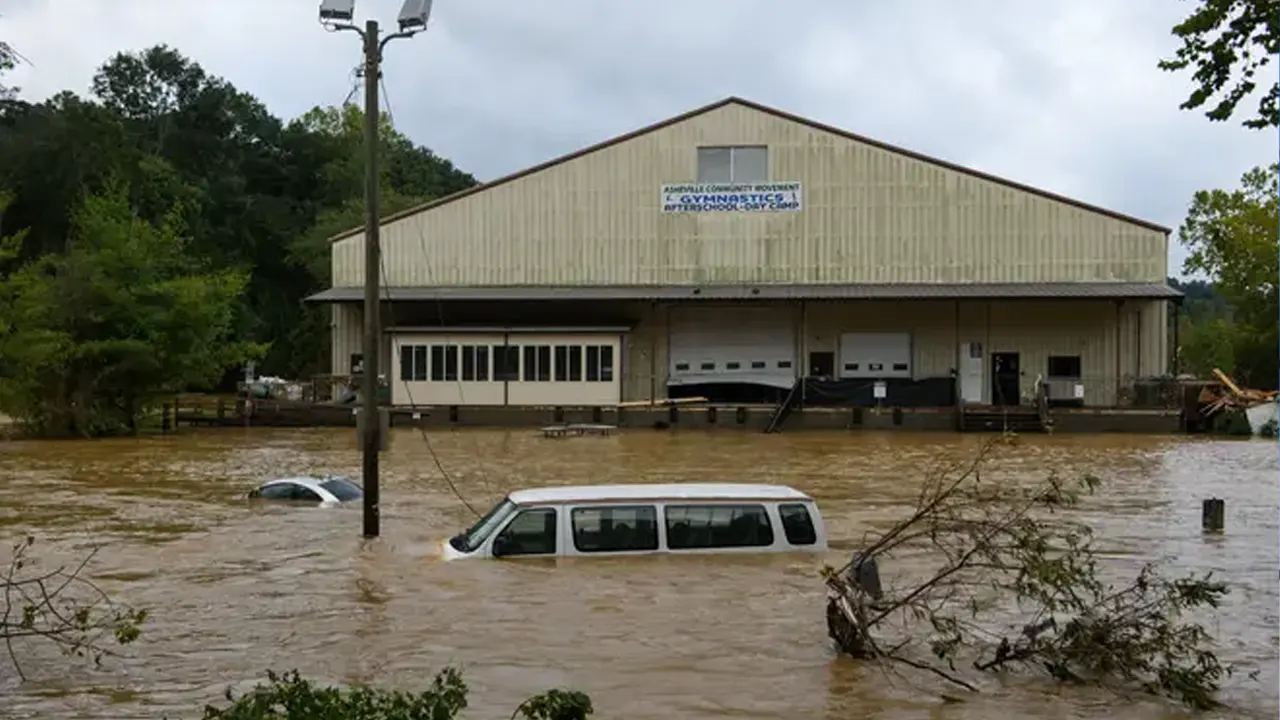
(337, 10)
(338, 15)
(414, 14)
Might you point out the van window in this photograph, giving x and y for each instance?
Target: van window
(717, 526)
(615, 529)
(797, 524)
(532, 532)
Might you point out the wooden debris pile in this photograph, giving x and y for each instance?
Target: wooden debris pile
(1235, 397)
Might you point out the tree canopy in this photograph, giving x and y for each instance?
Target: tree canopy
(1226, 43)
(1233, 237)
(169, 219)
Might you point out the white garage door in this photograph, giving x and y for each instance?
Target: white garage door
(875, 355)
(726, 344)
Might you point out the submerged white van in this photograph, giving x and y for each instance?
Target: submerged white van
(644, 519)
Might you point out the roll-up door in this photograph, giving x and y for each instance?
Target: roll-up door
(875, 355)
(733, 344)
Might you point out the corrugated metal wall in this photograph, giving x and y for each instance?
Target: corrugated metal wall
(347, 332)
(869, 215)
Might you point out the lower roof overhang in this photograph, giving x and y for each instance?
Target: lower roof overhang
(676, 293)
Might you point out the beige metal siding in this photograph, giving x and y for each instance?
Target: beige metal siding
(870, 215)
(347, 333)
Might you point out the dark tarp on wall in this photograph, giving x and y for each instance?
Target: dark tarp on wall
(899, 392)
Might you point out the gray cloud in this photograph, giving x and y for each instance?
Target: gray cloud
(1065, 96)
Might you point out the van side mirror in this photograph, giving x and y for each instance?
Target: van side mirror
(503, 545)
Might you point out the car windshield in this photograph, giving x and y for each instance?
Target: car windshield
(471, 540)
(342, 489)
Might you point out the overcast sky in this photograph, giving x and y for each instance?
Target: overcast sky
(1060, 95)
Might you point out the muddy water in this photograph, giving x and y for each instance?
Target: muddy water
(236, 589)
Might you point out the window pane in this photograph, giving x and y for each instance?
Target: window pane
(797, 524)
(342, 489)
(532, 532)
(530, 363)
(437, 363)
(468, 363)
(575, 363)
(482, 363)
(544, 363)
(506, 363)
(717, 526)
(606, 363)
(303, 494)
(420, 363)
(406, 362)
(714, 165)
(451, 363)
(593, 363)
(562, 363)
(279, 491)
(750, 164)
(615, 529)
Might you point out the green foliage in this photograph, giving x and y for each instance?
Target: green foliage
(8, 60)
(91, 336)
(290, 697)
(998, 547)
(1228, 42)
(1234, 238)
(225, 201)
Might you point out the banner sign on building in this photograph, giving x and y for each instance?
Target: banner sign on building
(731, 197)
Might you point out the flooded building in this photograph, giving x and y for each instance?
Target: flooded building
(735, 249)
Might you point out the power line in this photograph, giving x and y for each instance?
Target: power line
(435, 458)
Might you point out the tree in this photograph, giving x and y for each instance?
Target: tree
(290, 697)
(8, 61)
(1234, 238)
(1229, 42)
(60, 607)
(95, 335)
(1012, 582)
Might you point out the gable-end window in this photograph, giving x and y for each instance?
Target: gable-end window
(739, 164)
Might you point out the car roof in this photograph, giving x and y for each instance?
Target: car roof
(658, 491)
(308, 481)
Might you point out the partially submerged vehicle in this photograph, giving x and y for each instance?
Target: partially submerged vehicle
(324, 490)
(672, 518)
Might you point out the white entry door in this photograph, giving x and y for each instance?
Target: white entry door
(970, 372)
(732, 344)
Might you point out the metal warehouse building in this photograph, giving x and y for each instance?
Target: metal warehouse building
(734, 249)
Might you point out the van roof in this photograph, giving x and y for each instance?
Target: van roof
(660, 491)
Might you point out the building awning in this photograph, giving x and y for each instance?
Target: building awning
(878, 291)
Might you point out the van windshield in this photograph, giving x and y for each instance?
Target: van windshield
(472, 539)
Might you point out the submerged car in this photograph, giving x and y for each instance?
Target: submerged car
(671, 518)
(325, 490)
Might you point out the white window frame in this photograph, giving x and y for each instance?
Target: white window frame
(733, 163)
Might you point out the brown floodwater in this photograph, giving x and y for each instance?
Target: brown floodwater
(235, 589)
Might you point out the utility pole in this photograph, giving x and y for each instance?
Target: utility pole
(337, 15)
(371, 442)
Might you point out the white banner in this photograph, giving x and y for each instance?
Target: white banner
(732, 197)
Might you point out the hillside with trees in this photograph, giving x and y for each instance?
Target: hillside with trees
(165, 229)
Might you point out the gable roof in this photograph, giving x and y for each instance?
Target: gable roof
(782, 114)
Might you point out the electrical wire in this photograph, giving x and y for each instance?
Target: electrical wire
(382, 265)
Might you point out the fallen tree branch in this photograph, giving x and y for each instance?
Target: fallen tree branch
(63, 608)
(1014, 581)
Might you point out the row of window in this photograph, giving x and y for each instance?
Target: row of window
(876, 367)
(635, 528)
(506, 363)
(733, 365)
